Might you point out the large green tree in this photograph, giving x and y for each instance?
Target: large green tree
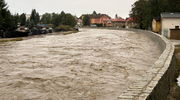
(94, 13)
(46, 18)
(70, 20)
(86, 20)
(145, 10)
(63, 19)
(7, 21)
(140, 12)
(34, 18)
(56, 19)
(22, 19)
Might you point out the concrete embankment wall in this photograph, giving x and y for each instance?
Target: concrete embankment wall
(163, 74)
(160, 78)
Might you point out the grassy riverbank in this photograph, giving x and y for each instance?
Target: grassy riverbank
(22, 38)
(10, 39)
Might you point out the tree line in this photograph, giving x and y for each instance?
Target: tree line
(9, 22)
(59, 19)
(145, 10)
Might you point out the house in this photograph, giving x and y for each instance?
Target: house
(156, 25)
(100, 20)
(118, 22)
(170, 23)
(131, 23)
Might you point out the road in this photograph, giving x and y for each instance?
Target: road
(94, 64)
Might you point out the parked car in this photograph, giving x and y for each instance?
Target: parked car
(43, 30)
(35, 30)
(21, 31)
(50, 30)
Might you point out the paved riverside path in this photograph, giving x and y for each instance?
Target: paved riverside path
(93, 64)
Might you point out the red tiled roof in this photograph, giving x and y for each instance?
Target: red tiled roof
(130, 19)
(118, 20)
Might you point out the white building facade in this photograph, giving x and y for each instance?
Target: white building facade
(169, 21)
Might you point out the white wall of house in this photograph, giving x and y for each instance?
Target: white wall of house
(167, 24)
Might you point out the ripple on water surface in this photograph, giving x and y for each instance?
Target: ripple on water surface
(94, 64)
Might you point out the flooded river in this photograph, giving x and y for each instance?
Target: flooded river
(94, 64)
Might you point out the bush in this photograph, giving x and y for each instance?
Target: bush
(64, 28)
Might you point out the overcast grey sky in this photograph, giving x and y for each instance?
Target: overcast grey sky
(76, 7)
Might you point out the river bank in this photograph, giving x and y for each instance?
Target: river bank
(23, 38)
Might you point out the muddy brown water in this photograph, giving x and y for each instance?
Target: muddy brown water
(94, 64)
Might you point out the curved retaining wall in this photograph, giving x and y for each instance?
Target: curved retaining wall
(161, 76)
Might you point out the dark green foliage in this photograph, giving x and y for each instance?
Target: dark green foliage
(7, 21)
(59, 19)
(35, 18)
(22, 19)
(3, 13)
(10, 22)
(46, 18)
(64, 28)
(94, 13)
(28, 23)
(16, 18)
(56, 20)
(140, 12)
(86, 20)
(62, 17)
(69, 20)
(145, 10)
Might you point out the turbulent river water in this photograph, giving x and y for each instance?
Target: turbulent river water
(93, 64)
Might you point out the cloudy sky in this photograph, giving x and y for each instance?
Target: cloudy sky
(76, 7)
